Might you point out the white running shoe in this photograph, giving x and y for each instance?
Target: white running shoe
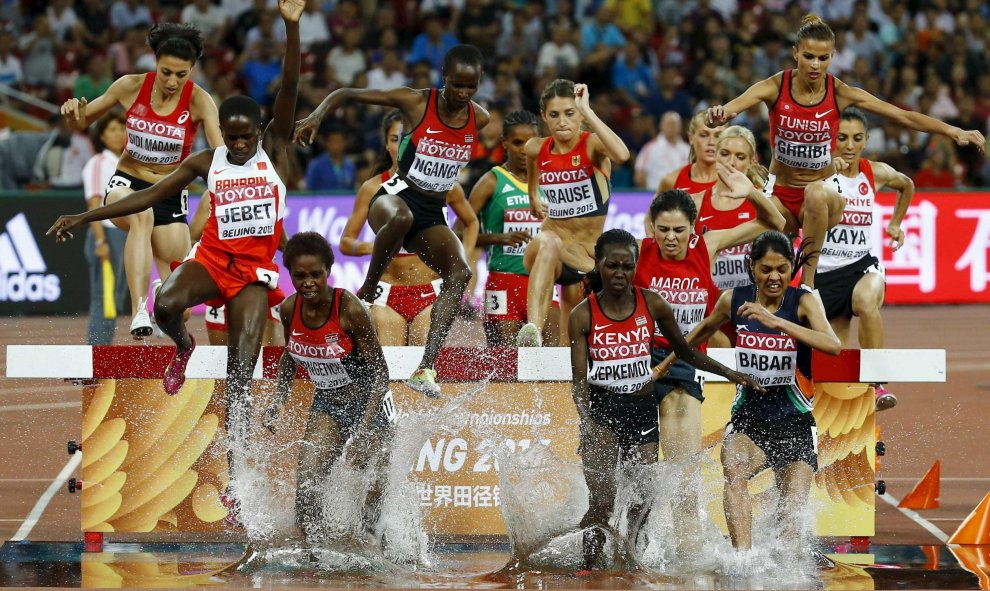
(141, 323)
(425, 381)
(529, 336)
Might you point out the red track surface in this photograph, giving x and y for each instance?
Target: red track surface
(932, 421)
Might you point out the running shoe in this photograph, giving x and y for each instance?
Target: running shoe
(233, 518)
(885, 398)
(425, 381)
(822, 562)
(529, 336)
(141, 323)
(156, 286)
(175, 373)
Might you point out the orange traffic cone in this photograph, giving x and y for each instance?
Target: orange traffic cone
(976, 561)
(975, 529)
(925, 493)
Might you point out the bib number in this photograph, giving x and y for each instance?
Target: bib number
(184, 202)
(388, 408)
(496, 302)
(267, 277)
(395, 185)
(381, 294)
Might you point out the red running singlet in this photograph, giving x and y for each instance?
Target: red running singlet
(804, 136)
(321, 350)
(619, 350)
(160, 139)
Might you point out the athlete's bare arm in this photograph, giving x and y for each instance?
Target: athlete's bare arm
(884, 175)
(279, 130)
(604, 143)
(412, 103)
(355, 320)
(79, 113)
(196, 166)
(466, 217)
(818, 333)
(764, 91)
(578, 325)
(849, 96)
(204, 110)
(668, 181)
(536, 204)
(286, 372)
(349, 243)
(721, 314)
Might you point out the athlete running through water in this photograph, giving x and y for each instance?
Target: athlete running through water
(408, 209)
(804, 108)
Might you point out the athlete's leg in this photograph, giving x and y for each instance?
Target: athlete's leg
(842, 327)
(821, 210)
(542, 261)
(419, 328)
(246, 315)
(867, 299)
(390, 218)
(191, 284)
(501, 333)
(169, 243)
(551, 327)
(390, 326)
(137, 252)
(640, 509)
(599, 452)
(441, 251)
(794, 481)
(321, 445)
(740, 460)
(680, 439)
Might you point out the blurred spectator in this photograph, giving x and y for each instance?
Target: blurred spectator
(558, 53)
(939, 169)
(432, 44)
(601, 42)
(132, 55)
(969, 156)
(771, 57)
(313, 28)
(244, 22)
(864, 42)
(347, 59)
(332, 170)
(93, 28)
(269, 29)
(125, 14)
(517, 43)
(95, 81)
(208, 18)
(478, 25)
(632, 77)
(261, 66)
(11, 72)
(60, 161)
(346, 16)
(38, 51)
(388, 74)
(234, 9)
(672, 12)
(844, 57)
(61, 18)
(632, 16)
(665, 153)
(669, 96)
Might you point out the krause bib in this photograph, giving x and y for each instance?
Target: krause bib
(571, 184)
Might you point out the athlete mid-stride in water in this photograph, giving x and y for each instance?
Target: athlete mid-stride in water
(408, 209)
(804, 108)
(850, 276)
(611, 332)
(233, 263)
(777, 326)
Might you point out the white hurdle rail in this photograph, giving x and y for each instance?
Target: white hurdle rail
(546, 364)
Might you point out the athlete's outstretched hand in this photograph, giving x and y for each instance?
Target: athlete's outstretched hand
(841, 164)
(74, 109)
(291, 9)
(306, 129)
(62, 226)
(538, 208)
(717, 115)
(738, 183)
(745, 380)
(965, 138)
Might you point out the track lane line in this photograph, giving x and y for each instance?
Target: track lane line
(913, 516)
(39, 507)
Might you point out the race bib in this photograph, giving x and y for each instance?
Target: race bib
(381, 294)
(267, 277)
(388, 408)
(496, 302)
(395, 185)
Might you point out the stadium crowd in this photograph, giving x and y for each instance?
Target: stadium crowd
(650, 63)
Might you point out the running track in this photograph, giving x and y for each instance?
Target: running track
(947, 421)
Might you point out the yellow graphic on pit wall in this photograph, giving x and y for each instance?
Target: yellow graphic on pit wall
(154, 463)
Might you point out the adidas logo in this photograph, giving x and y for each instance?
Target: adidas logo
(23, 274)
